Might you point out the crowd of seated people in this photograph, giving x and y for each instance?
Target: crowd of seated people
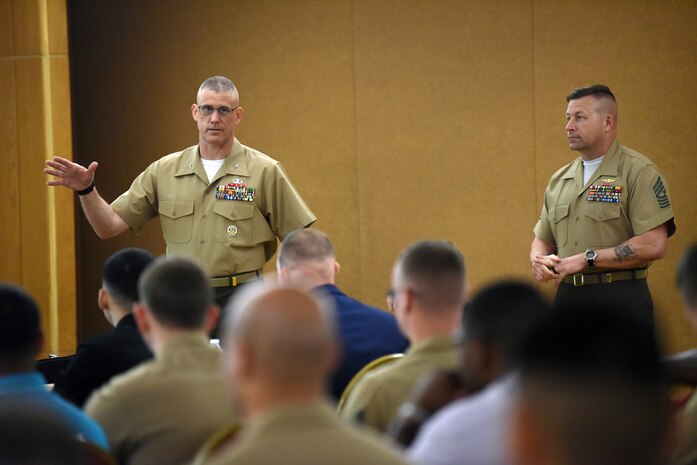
(497, 378)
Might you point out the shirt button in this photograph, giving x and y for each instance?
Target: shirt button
(575, 243)
(576, 218)
(204, 215)
(202, 241)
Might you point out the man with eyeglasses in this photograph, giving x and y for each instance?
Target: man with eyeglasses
(219, 202)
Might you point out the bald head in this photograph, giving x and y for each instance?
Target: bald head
(307, 259)
(287, 334)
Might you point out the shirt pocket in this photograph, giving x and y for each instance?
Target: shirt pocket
(603, 225)
(560, 224)
(177, 220)
(233, 221)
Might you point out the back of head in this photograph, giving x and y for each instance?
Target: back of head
(687, 277)
(435, 270)
(289, 333)
(121, 272)
(502, 315)
(20, 325)
(592, 378)
(177, 292)
(307, 259)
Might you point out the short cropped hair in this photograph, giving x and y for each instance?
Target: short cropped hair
(436, 269)
(503, 314)
(121, 272)
(218, 84)
(687, 276)
(304, 245)
(20, 324)
(597, 90)
(177, 292)
(593, 377)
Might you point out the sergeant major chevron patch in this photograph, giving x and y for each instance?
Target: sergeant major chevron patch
(659, 190)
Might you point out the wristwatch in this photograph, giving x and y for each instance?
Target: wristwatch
(591, 255)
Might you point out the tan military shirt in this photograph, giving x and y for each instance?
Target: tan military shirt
(377, 397)
(226, 236)
(303, 434)
(164, 410)
(626, 196)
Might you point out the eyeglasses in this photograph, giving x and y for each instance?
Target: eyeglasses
(208, 110)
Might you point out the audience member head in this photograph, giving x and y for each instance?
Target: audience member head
(428, 289)
(591, 391)
(120, 275)
(175, 297)
(494, 324)
(280, 346)
(20, 330)
(687, 282)
(306, 259)
(37, 437)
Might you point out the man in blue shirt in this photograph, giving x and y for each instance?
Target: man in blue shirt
(307, 260)
(20, 341)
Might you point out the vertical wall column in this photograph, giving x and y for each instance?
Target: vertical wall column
(37, 231)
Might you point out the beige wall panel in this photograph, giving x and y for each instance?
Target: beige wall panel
(26, 27)
(33, 220)
(10, 245)
(6, 29)
(64, 207)
(57, 21)
(444, 133)
(647, 53)
(293, 64)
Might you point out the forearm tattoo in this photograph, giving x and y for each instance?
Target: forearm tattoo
(624, 252)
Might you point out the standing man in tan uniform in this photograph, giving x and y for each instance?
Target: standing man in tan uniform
(428, 293)
(606, 216)
(219, 202)
(279, 351)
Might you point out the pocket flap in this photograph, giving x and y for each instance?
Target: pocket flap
(603, 211)
(560, 212)
(176, 208)
(233, 210)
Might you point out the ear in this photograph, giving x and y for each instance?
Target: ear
(239, 114)
(212, 316)
(610, 122)
(337, 269)
(194, 111)
(142, 317)
(103, 299)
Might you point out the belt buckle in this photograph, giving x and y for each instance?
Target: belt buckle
(608, 278)
(578, 282)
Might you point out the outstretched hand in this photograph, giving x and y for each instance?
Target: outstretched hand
(69, 174)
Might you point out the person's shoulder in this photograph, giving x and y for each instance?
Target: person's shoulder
(256, 156)
(635, 158)
(558, 174)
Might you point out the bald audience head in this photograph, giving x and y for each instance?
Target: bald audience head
(279, 346)
(307, 259)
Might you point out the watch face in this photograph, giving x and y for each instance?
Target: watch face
(589, 254)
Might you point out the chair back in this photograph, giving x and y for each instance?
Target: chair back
(378, 362)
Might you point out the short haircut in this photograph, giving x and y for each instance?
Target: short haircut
(177, 292)
(218, 84)
(303, 245)
(687, 276)
(503, 314)
(596, 90)
(593, 378)
(435, 269)
(20, 324)
(120, 274)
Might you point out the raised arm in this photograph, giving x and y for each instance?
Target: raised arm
(103, 219)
